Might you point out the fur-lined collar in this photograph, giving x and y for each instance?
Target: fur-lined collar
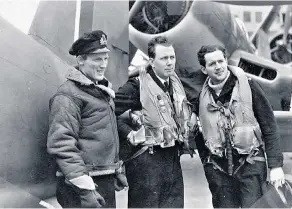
(75, 75)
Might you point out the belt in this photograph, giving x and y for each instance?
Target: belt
(249, 159)
(99, 170)
(150, 141)
(142, 150)
(136, 154)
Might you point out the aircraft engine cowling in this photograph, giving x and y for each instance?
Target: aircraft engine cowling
(280, 52)
(188, 25)
(159, 16)
(199, 23)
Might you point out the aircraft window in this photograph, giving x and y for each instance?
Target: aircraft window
(246, 16)
(159, 16)
(261, 71)
(258, 17)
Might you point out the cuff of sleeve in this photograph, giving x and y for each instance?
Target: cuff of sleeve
(83, 182)
(275, 161)
(127, 131)
(123, 128)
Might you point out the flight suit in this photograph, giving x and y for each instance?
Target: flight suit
(243, 188)
(155, 176)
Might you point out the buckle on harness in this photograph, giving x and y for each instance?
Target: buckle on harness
(208, 160)
(151, 152)
(250, 160)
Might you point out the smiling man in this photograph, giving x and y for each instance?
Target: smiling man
(239, 133)
(83, 136)
(153, 170)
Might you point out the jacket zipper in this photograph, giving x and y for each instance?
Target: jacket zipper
(114, 124)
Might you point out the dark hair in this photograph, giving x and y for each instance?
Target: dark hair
(158, 40)
(208, 49)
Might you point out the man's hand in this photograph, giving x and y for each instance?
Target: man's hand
(136, 117)
(91, 199)
(137, 137)
(121, 182)
(86, 189)
(135, 69)
(277, 177)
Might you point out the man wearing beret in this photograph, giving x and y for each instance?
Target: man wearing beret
(83, 135)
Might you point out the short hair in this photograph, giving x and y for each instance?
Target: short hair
(158, 40)
(208, 49)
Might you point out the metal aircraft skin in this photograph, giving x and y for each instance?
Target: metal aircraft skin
(191, 24)
(32, 68)
(30, 74)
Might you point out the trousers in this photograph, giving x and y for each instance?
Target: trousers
(155, 180)
(242, 189)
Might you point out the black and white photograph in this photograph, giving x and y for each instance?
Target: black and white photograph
(145, 104)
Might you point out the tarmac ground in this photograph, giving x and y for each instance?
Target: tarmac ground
(197, 194)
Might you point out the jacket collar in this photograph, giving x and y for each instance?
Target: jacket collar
(74, 74)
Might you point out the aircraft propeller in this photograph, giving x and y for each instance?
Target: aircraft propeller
(282, 50)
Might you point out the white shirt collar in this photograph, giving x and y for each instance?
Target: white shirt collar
(162, 80)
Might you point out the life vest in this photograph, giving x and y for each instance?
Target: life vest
(162, 119)
(235, 117)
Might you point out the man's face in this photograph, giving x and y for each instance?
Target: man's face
(216, 66)
(94, 66)
(164, 62)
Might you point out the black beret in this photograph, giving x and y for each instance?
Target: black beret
(93, 42)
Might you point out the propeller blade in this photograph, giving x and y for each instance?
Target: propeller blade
(263, 45)
(135, 8)
(266, 23)
(287, 23)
